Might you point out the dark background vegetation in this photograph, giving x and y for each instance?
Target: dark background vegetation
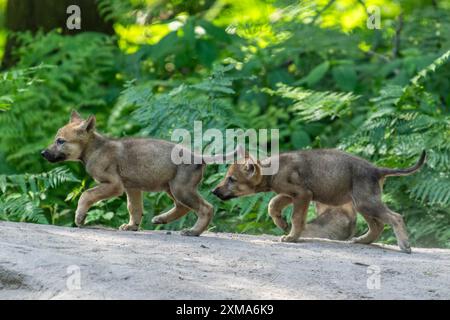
(311, 68)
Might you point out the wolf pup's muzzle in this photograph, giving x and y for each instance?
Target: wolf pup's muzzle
(222, 196)
(51, 157)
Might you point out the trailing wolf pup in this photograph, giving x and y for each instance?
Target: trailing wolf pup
(130, 165)
(328, 176)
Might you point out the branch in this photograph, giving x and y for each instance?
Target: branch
(434, 3)
(379, 55)
(329, 4)
(361, 2)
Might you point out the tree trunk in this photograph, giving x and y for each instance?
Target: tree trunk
(46, 15)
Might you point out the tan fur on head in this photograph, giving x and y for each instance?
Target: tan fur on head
(71, 140)
(75, 117)
(241, 178)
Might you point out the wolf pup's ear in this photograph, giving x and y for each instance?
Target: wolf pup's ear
(252, 168)
(75, 117)
(89, 124)
(240, 154)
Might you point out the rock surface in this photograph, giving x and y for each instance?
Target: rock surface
(49, 262)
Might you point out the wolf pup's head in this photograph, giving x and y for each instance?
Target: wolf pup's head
(71, 140)
(241, 179)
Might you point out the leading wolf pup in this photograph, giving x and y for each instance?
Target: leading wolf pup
(130, 165)
(328, 176)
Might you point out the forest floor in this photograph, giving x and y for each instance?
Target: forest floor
(49, 262)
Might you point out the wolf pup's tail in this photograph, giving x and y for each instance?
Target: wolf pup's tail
(223, 158)
(383, 172)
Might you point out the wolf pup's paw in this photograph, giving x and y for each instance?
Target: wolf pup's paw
(158, 220)
(288, 238)
(190, 233)
(360, 240)
(79, 219)
(128, 227)
(285, 227)
(405, 247)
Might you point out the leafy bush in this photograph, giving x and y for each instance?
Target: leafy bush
(25, 196)
(79, 73)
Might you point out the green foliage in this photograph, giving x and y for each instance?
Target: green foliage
(408, 120)
(76, 70)
(314, 105)
(24, 195)
(207, 101)
(15, 83)
(112, 10)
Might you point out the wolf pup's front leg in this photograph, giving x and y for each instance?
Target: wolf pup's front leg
(91, 196)
(298, 218)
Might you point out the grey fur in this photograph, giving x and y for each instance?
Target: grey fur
(327, 176)
(130, 165)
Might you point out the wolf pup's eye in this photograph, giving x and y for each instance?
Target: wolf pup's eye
(231, 179)
(60, 141)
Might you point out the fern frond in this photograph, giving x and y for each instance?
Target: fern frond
(71, 78)
(434, 190)
(424, 73)
(19, 207)
(37, 183)
(207, 101)
(312, 105)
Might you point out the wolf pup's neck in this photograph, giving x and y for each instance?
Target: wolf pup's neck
(265, 185)
(95, 142)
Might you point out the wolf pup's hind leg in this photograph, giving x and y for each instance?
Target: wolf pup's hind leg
(375, 229)
(202, 208)
(175, 213)
(367, 201)
(184, 190)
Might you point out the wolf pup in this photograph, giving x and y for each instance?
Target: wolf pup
(327, 176)
(331, 222)
(130, 165)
